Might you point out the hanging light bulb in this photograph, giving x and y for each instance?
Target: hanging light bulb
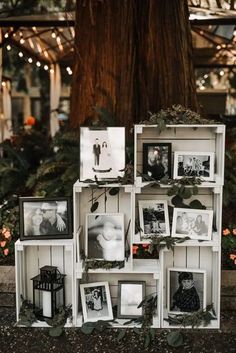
(6, 35)
(22, 40)
(3, 83)
(8, 47)
(53, 34)
(38, 63)
(30, 60)
(51, 71)
(45, 67)
(21, 54)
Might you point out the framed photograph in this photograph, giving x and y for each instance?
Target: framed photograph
(157, 160)
(96, 301)
(186, 290)
(196, 224)
(194, 164)
(102, 153)
(45, 218)
(130, 295)
(153, 218)
(105, 238)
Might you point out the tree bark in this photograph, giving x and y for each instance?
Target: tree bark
(132, 56)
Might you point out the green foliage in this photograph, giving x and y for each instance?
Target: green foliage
(168, 242)
(94, 264)
(58, 322)
(26, 316)
(175, 339)
(89, 327)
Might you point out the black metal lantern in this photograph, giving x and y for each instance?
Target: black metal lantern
(51, 284)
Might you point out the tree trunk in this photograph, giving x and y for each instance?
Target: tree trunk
(132, 56)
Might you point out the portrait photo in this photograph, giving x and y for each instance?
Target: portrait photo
(153, 219)
(105, 236)
(186, 290)
(45, 218)
(96, 301)
(194, 164)
(157, 160)
(102, 153)
(130, 295)
(192, 223)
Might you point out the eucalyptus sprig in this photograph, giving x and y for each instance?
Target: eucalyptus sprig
(94, 264)
(158, 243)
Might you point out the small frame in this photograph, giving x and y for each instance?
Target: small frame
(105, 238)
(192, 223)
(154, 219)
(130, 295)
(96, 301)
(157, 160)
(186, 290)
(194, 164)
(45, 218)
(102, 153)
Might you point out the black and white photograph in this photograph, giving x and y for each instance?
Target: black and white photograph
(96, 301)
(102, 153)
(186, 290)
(194, 164)
(45, 218)
(153, 218)
(130, 295)
(192, 223)
(105, 236)
(157, 160)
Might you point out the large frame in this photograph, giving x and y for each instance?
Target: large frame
(193, 297)
(153, 218)
(157, 160)
(45, 218)
(105, 238)
(102, 153)
(194, 223)
(96, 301)
(130, 295)
(194, 164)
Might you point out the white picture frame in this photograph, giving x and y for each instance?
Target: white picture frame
(102, 153)
(96, 301)
(194, 296)
(105, 236)
(153, 219)
(130, 295)
(192, 223)
(194, 164)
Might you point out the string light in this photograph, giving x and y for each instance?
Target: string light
(3, 83)
(234, 33)
(30, 60)
(8, 47)
(69, 71)
(45, 67)
(222, 73)
(6, 35)
(218, 47)
(20, 54)
(38, 63)
(22, 40)
(51, 71)
(53, 34)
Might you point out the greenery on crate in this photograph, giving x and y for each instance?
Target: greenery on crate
(58, 322)
(27, 313)
(93, 264)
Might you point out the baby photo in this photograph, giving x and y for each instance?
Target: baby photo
(186, 290)
(105, 236)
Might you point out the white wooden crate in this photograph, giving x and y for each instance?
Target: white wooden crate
(199, 138)
(152, 287)
(31, 255)
(192, 257)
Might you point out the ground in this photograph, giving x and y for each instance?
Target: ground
(26, 340)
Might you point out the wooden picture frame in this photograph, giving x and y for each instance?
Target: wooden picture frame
(45, 218)
(130, 295)
(96, 301)
(157, 160)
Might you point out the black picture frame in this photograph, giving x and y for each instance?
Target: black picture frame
(37, 215)
(153, 152)
(128, 302)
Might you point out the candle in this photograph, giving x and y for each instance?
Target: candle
(47, 307)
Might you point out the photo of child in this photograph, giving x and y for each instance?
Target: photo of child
(186, 290)
(105, 237)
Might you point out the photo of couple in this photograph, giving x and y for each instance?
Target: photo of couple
(45, 218)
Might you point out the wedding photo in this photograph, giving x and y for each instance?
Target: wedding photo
(194, 164)
(42, 218)
(102, 153)
(96, 301)
(157, 160)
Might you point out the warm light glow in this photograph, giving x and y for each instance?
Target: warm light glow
(22, 41)
(6, 35)
(205, 76)
(30, 60)
(234, 33)
(20, 54)
(38, 63)
(8, 47)
(45, 67)
(51, 71)
(222, 73)
(53, 34)
(223, 45)
(31, 43)
(3, 83)
(202, 88)
(46, 54)
(218, 47)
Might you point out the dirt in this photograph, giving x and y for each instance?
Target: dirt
(37, 340)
